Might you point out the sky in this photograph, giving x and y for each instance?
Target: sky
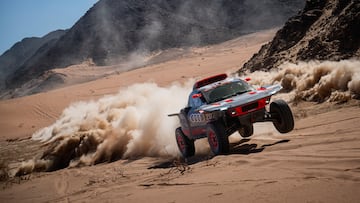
(36, 18)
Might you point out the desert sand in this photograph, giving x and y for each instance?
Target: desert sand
(319, 161)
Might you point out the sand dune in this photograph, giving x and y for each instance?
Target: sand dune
(199, 62)
(317, 162)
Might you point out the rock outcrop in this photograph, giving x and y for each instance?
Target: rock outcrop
(323, 30)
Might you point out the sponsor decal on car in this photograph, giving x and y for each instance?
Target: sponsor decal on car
(200, 117)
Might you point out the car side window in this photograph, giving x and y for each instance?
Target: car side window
(194, 102)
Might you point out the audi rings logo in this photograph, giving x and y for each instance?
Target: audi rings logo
(197, 117)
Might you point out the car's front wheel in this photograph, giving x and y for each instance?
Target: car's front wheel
(283, 119)
(186, 146)
(218, 140)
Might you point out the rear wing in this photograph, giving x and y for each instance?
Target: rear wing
(209, 80)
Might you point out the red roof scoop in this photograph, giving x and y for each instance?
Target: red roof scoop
(209, 80)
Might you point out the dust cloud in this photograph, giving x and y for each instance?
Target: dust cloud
(133, 123)
(130, 124)
(327, 81)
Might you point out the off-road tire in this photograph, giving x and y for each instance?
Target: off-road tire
(185, 145)
(218, 140)
(246, 130)
(282, 115)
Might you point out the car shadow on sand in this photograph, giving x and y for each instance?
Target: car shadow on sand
(241, 147)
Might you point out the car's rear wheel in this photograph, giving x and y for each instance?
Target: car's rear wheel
(246, 130)
(186, 146)
(283, 119)
(218, 140)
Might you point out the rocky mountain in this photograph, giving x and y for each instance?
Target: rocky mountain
(22, 51)
(323, 30)
(112, 30)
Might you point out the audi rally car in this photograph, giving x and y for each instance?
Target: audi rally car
(218, 106)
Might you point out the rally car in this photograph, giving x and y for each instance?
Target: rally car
(220, 105)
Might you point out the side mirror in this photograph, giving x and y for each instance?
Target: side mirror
(194, 96)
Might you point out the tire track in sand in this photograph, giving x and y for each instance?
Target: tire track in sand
(44, 112)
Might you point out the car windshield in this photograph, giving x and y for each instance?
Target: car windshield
(226, 90)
